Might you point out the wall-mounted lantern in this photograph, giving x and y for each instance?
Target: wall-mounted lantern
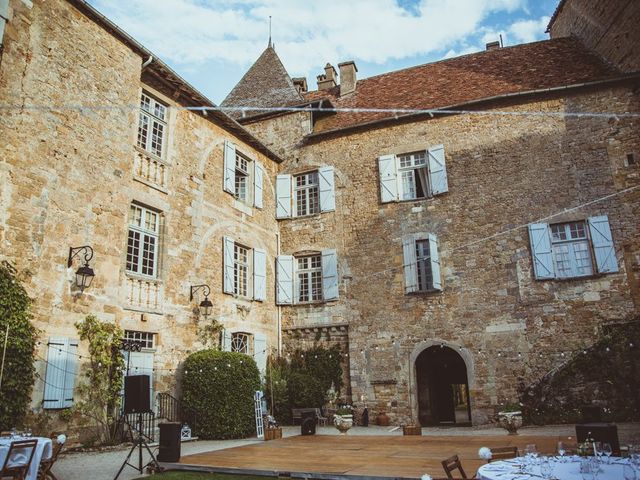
(84, 274)
(205, 305)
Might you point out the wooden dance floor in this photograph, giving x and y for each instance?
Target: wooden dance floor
(372, 456)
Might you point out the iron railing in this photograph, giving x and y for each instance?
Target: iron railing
(144, 423)
(170, 408)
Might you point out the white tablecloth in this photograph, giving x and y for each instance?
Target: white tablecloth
(44, 450)
(567, 470)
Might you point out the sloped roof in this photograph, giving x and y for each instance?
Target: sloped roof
(511, 70)
(266, 84)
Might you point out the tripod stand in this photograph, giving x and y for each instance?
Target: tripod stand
(139, 443)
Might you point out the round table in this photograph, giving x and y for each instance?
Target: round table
(566, 469)
(44, 449)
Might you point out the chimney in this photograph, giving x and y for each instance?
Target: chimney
(347, 77)
(493, 45)
(328, 80)
(300, 83)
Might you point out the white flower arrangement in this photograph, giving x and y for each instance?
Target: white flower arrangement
(61, 438)
(485, 453)
(426, 476)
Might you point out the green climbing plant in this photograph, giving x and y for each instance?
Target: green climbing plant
(18, 371)
(98, 393)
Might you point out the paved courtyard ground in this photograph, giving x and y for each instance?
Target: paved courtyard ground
(103, 466)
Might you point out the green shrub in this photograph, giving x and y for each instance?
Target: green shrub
(18, 375)
(322, 364)
(305, 391)
(218, 390)
(276, 391)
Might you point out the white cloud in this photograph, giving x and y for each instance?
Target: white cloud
(525, 31)
(306, 33)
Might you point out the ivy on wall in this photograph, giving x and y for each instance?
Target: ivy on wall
(19, 373)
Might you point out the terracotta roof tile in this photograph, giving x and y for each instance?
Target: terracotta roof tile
(546, 64)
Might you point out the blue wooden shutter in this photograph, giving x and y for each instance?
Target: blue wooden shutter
(437, 170)
(226, 340)
(410, 265)
(54, 377)
(388, 178)
(257, 184)
(283, 196)
(327, 189)
(259, 274)
(260, 352)
(540, 239)
(228, 265)
(435, 262)
(70, 372)
(284, 279)
(603, 247)
(229, 167)
(329, 274)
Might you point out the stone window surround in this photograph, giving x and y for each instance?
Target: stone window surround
(295, 173)
(296, 280)
(152, 119)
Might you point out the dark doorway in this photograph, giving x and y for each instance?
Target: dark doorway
(443, 388)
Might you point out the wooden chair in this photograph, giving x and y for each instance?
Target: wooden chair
(451, 464)
(18, 470)
(503, 453)
(45, 473)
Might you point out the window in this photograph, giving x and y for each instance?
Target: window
(245, 270)
(243, 177)
(309, 278)
(240, 270)
(142, 242)
(305, 278)
(571, 252)
(421, 263)
(60, 376)
(242, 343)
(145, 339)
(152, 125)
(306, 193)
(413, 176)
(307, 199)
(572, 249)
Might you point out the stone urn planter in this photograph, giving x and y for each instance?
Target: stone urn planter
(510, 421)
(383, 419)
(343, 423)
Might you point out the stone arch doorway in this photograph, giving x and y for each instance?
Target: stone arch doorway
(442, 387)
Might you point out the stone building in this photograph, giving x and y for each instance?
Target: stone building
(475, 252)
(167, 198)
(452, 256)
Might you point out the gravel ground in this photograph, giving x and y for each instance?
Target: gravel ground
(105, 465)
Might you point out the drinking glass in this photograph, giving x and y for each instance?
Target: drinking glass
(606, 450)
(561, 451)
(628, 472)
(28, 433)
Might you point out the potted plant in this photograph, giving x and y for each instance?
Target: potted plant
(510, 418)
(343, 418)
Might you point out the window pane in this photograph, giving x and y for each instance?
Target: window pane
(408, 185)
(423, 258)
(143, 130)
(582, 258)
(309, 278)
(307, 194)
(240, 270)
(563, 260)
(133, 251)
(240, 343)
(148, 255)
(135, 216)
(156, 138)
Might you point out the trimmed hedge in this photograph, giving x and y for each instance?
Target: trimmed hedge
(217, 390)
(305, 391)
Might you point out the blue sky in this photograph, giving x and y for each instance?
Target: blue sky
(212, 43)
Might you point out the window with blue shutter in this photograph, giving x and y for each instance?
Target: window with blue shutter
(327, 189)
(258, 185)
(229, 177)
(540, 239)
(421, 263)
(388, 178)
(329, 274)
(260, 352)
(259, 274)
(603, 248)
(284, 279)
(283, 196)
(60, 373)
(228, 281)
(437, 170)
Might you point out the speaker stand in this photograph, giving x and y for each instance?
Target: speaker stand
(139, 443)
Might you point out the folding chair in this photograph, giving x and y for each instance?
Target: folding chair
(18, 460)
(502, 453)
(451, 464)
(45, 473)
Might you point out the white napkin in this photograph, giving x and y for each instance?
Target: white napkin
(61, 438)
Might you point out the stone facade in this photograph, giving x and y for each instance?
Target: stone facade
(70, 175)
(504, 172)
(609, 28)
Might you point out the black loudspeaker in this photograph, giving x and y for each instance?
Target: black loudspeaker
(599, 432)
(136, 394)
(308, 423)
(169, 442)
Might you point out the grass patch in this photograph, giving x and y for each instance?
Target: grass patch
(178, 475)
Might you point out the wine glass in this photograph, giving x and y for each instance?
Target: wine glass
(606, 450)
(561, 451)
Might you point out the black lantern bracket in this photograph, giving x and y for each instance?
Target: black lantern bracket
(75, 251)
(205, 305)
(84, 274)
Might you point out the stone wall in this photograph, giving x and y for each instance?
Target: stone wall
(504, 172)
(69, 176)
(609, 28)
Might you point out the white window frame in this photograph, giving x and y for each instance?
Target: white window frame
(423, 266)
(565, 237)
(312, 274)
(144, 234)
(306, 196)
(242, 342)
(152, 115)
(146, 339)
(244, 182)
(240, 266)
(414, 163)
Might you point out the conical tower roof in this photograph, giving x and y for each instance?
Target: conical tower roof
(266, 84)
